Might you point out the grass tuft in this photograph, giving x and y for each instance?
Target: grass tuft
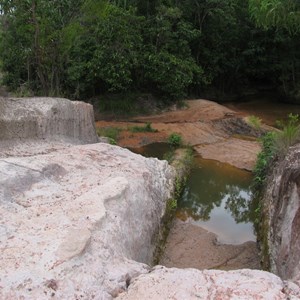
(254, 122)
(110, 132)
(146, 128)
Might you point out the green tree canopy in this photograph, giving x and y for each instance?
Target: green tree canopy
(277, 13)
(170, 48)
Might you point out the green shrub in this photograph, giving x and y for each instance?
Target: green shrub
(169, 156)
(263, 160)
(111, 132)
(275, 144)
(289, 135)
(255, 122)
(175, 139)
(172, 204)
(145, 128)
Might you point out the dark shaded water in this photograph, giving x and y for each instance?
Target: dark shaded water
(216, 197)
(266, 108)
(158, 150)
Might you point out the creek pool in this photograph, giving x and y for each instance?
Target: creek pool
(217, 197)
(264, 107)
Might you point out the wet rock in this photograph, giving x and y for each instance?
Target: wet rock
(196, 111)
(237, 126)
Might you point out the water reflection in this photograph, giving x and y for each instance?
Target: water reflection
(218, 198)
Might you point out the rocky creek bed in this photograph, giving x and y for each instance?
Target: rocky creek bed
(79, 219)
(211, 129)
(213, 228)
(213, 225)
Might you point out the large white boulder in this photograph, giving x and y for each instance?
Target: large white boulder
(78, 222)
(191, 284)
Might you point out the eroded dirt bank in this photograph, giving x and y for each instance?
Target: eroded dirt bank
(214, 131)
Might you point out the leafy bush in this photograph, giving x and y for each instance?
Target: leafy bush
(170, 74)
(172, 204)
(175, 139)
(145, 128)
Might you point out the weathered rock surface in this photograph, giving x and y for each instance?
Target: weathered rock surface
(47, 118)
(282, 209)
(236, 152)
(78, 222)
(178, 284)
(197, 110)
(190, 246)
(212, 129)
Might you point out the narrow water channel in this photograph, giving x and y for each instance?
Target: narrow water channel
(217, 197)
(213, 227)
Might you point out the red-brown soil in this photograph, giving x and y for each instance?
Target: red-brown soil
(207, 126)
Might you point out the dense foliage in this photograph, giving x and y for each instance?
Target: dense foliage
(83, 48)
